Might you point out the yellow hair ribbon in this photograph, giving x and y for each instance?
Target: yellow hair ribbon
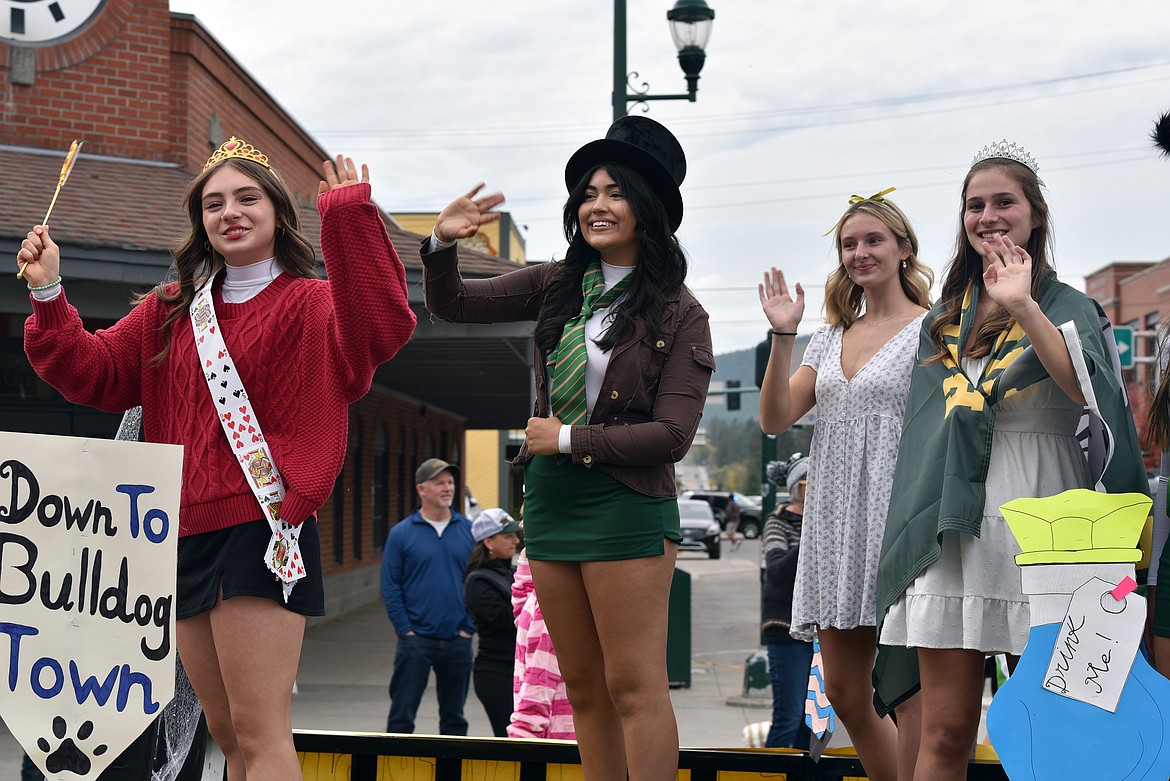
(855, 199)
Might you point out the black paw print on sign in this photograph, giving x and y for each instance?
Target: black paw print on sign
(68, 755)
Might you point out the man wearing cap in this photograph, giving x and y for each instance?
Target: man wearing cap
(422, 585)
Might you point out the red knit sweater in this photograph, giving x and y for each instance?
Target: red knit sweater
(304, 348)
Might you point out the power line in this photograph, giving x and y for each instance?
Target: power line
(834, 195)
(738, 118)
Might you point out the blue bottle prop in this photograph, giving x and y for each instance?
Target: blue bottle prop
(1038, 731)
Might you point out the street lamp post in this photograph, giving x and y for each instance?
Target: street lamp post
(690, 27)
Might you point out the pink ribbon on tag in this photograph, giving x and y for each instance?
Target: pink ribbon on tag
(1123, 588)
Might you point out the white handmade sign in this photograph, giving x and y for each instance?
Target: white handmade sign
(88, 538)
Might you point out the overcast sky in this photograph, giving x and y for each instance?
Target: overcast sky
(801, 104)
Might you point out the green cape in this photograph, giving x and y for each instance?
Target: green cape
(944, 454)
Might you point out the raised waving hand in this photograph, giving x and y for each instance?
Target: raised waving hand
(343, 173)
(782, 310)
(462, 217)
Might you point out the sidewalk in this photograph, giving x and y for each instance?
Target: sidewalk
(346, 664)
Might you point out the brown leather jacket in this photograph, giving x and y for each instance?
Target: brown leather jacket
(648, 411)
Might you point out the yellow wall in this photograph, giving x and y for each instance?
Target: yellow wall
(422, 224)
(483, 464)
(486, 240)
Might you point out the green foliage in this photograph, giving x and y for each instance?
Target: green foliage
(735, 449)
(732, 455)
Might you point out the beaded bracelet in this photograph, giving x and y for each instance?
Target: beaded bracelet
(54, 283)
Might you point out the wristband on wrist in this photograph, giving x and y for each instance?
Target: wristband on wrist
(784, 333)
(54, 283)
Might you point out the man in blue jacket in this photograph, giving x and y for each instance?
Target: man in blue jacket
(422, 585)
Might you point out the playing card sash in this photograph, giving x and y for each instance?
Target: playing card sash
(242, 428)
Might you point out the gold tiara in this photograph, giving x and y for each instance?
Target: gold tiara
(236, 147)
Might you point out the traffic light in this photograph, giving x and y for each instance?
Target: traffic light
(732, 397)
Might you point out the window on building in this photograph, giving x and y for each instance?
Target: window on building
(17, 378)
(380, 486)
(357, 442)
(405, 489)
(338, 517)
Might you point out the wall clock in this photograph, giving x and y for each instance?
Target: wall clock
(37, 22)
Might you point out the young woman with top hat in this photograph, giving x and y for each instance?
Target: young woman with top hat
(246, 324)
(1009, 360)
(623, 361)
(856, 371)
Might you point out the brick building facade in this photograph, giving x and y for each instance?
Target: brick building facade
(1136, 295)
(152, 93)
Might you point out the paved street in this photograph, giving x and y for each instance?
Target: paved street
(345, 665)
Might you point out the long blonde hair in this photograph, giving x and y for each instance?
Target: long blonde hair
(843, 296)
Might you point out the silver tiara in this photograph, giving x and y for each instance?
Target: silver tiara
(1008, 151)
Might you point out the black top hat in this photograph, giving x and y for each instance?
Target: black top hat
(1161, 134)
(648, 148)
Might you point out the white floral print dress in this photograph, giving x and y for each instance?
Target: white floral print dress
(851, 469)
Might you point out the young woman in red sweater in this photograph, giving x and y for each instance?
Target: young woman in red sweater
(295, 352)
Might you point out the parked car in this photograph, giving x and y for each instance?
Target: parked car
(700, 530)
(750, 522)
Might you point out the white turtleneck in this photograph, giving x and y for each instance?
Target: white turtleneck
(244, 282)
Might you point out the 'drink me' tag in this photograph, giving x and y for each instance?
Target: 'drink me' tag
(1096, 645)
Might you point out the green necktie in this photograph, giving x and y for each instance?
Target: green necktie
(567, 363)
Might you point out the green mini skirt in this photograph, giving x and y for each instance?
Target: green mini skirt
(574, 513)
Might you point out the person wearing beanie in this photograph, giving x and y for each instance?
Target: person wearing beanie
(789, 659)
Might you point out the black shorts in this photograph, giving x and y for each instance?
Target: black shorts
(231, 561)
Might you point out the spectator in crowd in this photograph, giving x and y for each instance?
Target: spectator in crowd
(731, 520)
(422, 585)
(541, 706)
(789, 659)
(487, 591)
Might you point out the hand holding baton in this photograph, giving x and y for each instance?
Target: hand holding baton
(66, 167)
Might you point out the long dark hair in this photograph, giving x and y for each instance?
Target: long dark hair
(660, 271)
(479, 556)
(967, 264)
(196, 263)
(1158, 426)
